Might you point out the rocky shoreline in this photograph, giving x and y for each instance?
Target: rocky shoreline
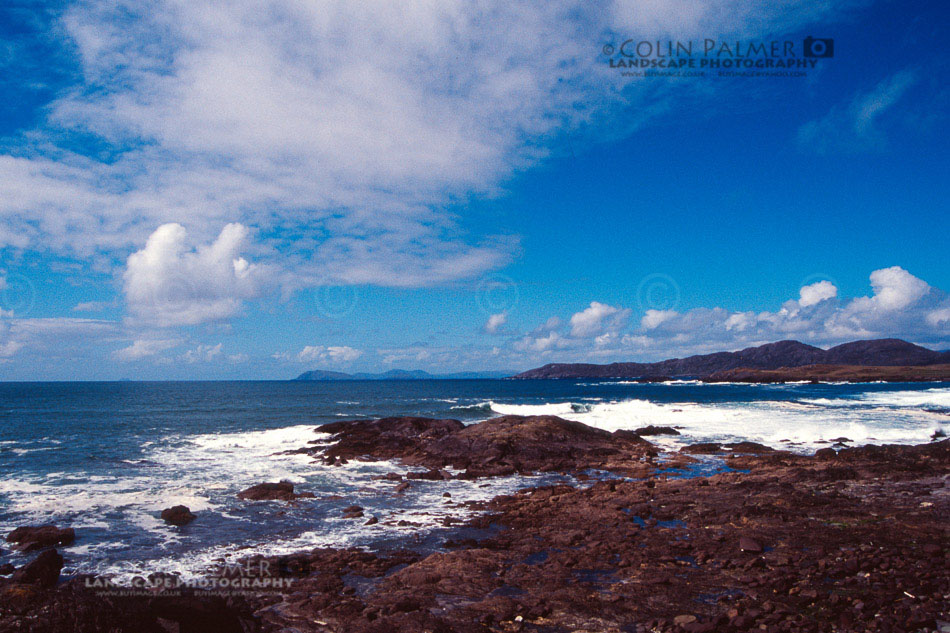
(836, 373)
(849, 540)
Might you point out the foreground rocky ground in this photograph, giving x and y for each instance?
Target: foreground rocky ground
(854, 540)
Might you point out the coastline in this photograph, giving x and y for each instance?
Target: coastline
(644, 540)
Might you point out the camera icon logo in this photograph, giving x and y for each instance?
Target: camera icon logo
(818, 47)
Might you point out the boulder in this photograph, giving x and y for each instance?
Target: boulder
(178, 515)
(825, 453)
(31, 538)
(656, 430)
(42, 570)
(280, 491)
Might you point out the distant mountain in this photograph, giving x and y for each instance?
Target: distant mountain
(400, 374)
(881, 352)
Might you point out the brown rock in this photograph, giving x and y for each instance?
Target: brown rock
(30, 538)
(178, 515)
(747, 544)
(280, 491)
(42, 570)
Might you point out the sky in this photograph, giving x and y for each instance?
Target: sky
(190, 190)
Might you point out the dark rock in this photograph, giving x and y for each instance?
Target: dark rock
(178, 515)
(280, 491)
(404, 486)
(42, 570)
(656, 430)
(826, 453)
(702, 448)
(6, 569)
(747, 544)
(372, 521)
(500, 446)
(749, 447)
(30, 538)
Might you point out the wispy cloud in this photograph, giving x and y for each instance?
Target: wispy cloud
(857, 126)
(353, 127)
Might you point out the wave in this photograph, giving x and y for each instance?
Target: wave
(556, 408)
(935, 398)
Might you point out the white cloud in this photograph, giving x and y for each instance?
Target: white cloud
(353, 126)
(93, 306)
(816, 293)
(894, 289)
(335, 354)
(901, 305)
(653, 318)
(144, 348)
(168, 283)
(203, 354)
(9, 348)
(598, 319)
(857, 126)
(939, 317)
(495, 323)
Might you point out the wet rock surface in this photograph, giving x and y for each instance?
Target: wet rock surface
(178, 515)
(849, 542)
(501, 446)
(30, 538)
(42, 570)
(280, 491)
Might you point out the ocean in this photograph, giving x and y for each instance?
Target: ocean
(106, 458)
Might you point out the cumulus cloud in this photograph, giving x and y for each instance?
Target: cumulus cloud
(169, 283)
(144, 348)
(598, 319)
(203, 354)
(334, 354)
(858, 125)
(495, 323)
(9, 348)
(901, 305)
(816, 293)
(653, 318)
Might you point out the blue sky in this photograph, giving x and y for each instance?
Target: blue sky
(188, 191)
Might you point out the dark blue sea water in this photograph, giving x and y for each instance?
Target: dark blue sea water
(106, 458)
